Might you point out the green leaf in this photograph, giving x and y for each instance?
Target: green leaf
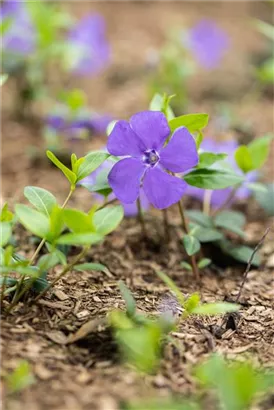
(32, 271)
(161, 103)
(56, 223)
(186, 265)
(240, 253)
(243, 158)
(203, 263)
(193, 122)
(71, 176)
(73, 161)
(192, 302)
(91, 266)
(172, 286)
(40, 284)
(200, 217)
(5, 233)
(266, 200)
(207, 234)
(259, 150)
(80, 239)
(206, 159)
(191, 244)
(34, 221)
(107, 219)
(232, 221)
(3, 79)
(128, 298)
(265, 28)
(215, 308)
(47, 262)
(78, 221)
(91, 162)
(20, 378)
(257, 187)
(40, 198)
(6, 215)
(212, 178)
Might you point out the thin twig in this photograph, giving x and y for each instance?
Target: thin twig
(250, 262)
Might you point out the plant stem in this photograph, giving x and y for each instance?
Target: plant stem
(107, 203)
(17, 296)
(141, 217)
(3, 290)
(64, 271)
(206, 202)
(192, 258)
(166, 225)
(227, 201)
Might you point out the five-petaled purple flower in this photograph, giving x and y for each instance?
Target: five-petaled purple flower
(91, 51)
(219, 196)
(142, 141)
(208, 43)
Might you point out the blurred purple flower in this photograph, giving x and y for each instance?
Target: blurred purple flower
(141, 141)
(219, 196)
(20, 37)
(92, 51)
(130, 210)
(208, 43)
(73, 128)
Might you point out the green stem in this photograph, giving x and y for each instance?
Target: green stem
(106, 204)
(227, 201)
(206, 202)
(192, 258)
(64, 271)
(141, 217)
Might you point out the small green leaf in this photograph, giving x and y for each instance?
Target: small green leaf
(232, 221)
(161, 103)
(47, 262)
(172, 286)
(257, 187)
(203, 263)
(80, 239)
(71, 176)
(266, 200)
(201, 218)
(128, 298)
(191, 244)
(91, 162)
(215, 308)
(91, 266)
(240, 253)
(212, 178)
(78, 221)
(186, 265)
(259, 150)
(56, 223)
(6, 215)
(34, 221)
(20, 378)
(3, 79)
(207, 234)
(193, 122)
(40, 198)
(192, 302)
(206, 159)
(73, 161)
(107, 219)
(5, 233)
(243, 158)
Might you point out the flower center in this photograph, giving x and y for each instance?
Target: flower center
(151, 157)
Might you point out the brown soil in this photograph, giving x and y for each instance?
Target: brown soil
(87, 373)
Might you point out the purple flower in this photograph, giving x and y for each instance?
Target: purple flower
(89, 43)
(130, 210)
(20, 37)
(219, 196)
(208, 43)
(142, 141)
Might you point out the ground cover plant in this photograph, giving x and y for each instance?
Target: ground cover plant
(137, 271)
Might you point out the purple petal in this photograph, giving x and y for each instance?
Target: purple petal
(151, 127)
(180, 154)
(124, 141)
(125, 178)
(162, 189)
(132, 210)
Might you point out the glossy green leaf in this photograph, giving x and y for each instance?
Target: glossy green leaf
(5, 233)
(78, 221)
(191, 244)
(56, 223)
(91, 266)
(203, 263)
(212, 178)
(34, 221)
(193, 122)
(243, 158)
(192, 302)
(259, 150)
(161, 103)
(91, 162)
(80, 239)
(71, 176)
(206, 159)
(6, 215)
(40, 198)
(107, 219)
(215, 308)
